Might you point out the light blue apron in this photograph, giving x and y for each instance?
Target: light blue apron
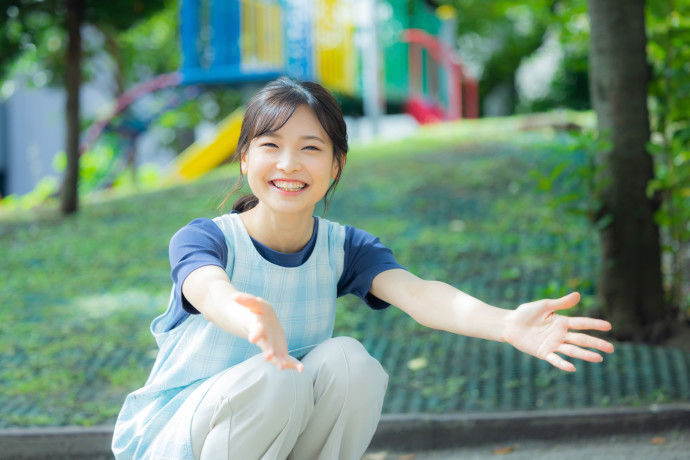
(194, 353)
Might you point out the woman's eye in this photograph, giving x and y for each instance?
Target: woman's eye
(269, 144)
(312, 147)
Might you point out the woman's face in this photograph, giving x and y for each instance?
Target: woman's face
(289, 170)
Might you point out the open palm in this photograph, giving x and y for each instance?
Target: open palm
(536, 329)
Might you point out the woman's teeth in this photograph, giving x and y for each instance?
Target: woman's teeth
(289, 186)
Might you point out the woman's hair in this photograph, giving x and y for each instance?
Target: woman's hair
(272, 107)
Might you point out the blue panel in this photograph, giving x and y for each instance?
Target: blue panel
(297, 22)
(189, 31)
(233, 27)
(225, 20)
(225, 74)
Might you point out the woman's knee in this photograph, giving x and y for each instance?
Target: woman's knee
(281, 388)
(253, 390)
(352, 367)
(260, 387)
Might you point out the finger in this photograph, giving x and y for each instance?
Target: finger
(270, 355)
(589, 323)
(276, 362)
(557, 361)
(292, 363)
(243, 297)
(579, 353)
(588, 341)
(258, 332)
(253, 303)
(564, 302)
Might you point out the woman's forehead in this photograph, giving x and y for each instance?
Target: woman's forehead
(302, 123)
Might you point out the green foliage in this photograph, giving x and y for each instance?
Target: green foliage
(668, 26)
(668, 48)
(497, 36)
(33, 32)
(569, 24)
(147, 48)
(574, 184)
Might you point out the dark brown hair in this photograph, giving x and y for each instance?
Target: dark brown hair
(272, 107)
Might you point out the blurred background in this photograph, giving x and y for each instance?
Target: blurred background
(514, 149)
(433, 60)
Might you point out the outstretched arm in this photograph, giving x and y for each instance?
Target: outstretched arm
(209, 289)
(533, 328)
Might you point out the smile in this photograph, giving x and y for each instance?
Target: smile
(289, 186)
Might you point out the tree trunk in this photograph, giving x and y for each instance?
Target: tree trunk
(70, 184)
(630, 284)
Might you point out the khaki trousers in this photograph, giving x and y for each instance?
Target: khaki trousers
(330, 411)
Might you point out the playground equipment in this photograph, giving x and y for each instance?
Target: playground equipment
(420, 42)
(206, 154)
(374, 50)
(239, 41)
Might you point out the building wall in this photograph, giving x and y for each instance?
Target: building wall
(34, 123)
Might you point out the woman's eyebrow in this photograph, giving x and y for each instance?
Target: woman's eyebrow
(313, 138)
(306, 137)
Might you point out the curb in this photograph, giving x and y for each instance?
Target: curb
(426, 432)
(396, 432)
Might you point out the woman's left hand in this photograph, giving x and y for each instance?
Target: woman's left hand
(535, 328)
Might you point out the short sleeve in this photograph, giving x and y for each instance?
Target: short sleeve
(365, 257)
(195, 245)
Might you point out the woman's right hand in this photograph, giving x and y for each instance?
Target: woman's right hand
(266, 332)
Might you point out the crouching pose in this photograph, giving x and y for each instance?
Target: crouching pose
(247, 366)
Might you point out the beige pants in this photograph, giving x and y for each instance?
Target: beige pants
(329, 411)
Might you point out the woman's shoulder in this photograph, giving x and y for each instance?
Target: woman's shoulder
(356, 237)
(197, 230)
(200, 224)
(334, 229)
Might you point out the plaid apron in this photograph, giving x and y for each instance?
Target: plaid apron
(155, 420)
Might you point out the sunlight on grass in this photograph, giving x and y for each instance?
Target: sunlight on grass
(105, 305)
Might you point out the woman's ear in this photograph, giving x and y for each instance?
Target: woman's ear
(337, 167)
(243, 164)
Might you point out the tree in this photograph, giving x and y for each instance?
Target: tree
(28, 28)
(73, 78)
(630, 282)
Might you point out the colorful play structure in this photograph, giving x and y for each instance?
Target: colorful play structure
(397, 51)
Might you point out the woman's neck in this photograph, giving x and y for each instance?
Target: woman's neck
(282, 233)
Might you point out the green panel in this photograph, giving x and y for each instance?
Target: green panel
(424, 17)
(395, 52)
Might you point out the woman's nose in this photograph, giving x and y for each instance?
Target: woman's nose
(288, 161)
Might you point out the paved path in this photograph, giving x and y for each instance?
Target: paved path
(654, 432)
(663, 445)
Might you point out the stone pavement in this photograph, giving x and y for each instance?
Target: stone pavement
(630, 433)
(661, 444)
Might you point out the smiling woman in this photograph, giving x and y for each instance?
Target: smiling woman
(247, 366)
(273, 107)
(290, 171)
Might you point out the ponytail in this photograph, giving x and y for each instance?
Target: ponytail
(245, 203)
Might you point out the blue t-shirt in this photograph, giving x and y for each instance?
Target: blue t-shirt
(202, 243)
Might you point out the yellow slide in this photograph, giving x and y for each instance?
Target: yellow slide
(204, 155)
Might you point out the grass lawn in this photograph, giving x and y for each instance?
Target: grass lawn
(456, 203)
